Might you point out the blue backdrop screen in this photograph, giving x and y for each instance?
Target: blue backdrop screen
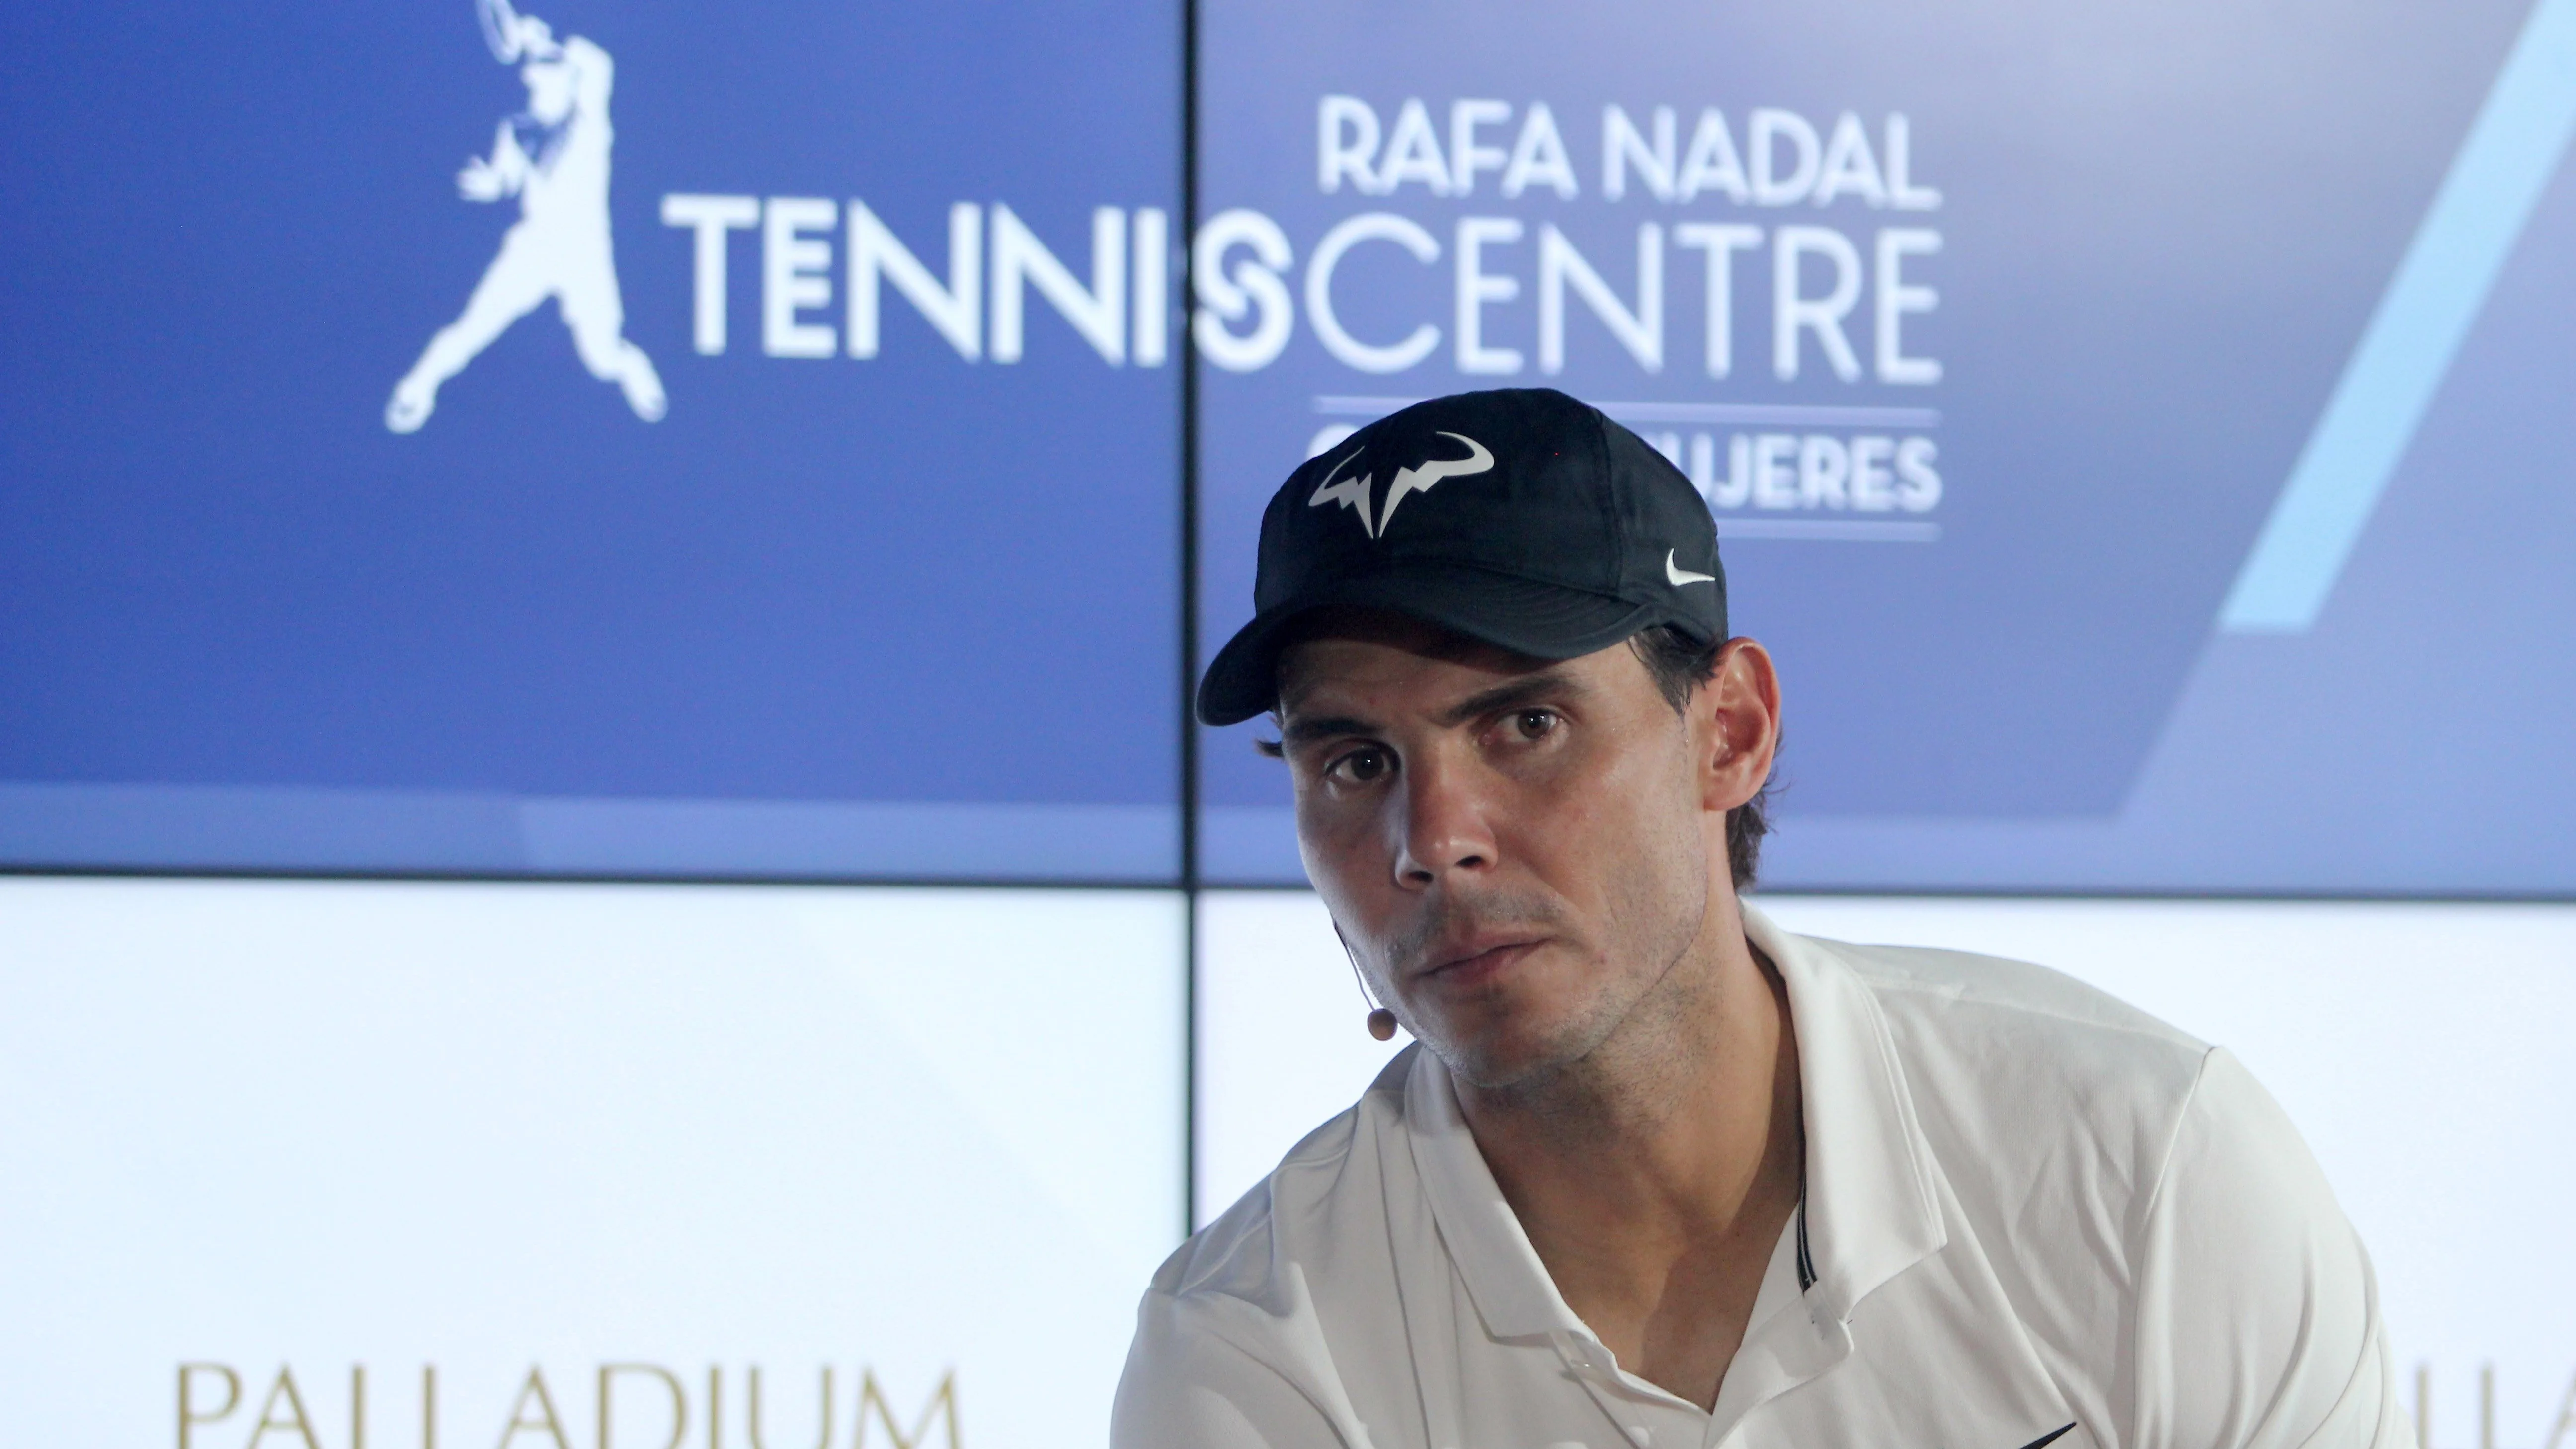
(617, 441)
(2132, 427)
(759, 457)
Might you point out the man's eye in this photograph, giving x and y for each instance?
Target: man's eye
(1362, 766)
(1530, 724)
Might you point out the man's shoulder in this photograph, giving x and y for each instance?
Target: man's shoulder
(1997, 1013)
(2018, 1072)
(1302, 1212)
(2049, 1110)
(1251, 1330)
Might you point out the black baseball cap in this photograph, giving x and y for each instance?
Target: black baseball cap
(1520, 517)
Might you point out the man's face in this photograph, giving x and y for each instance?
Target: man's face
(1516, 850)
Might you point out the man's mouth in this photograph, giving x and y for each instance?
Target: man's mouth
(1476, 962)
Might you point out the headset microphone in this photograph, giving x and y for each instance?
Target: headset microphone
(1381, 1022)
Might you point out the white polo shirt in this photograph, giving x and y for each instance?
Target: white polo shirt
(2033, 1216)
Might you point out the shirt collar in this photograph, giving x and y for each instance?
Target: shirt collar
(1872, 1206)
(1504, 1277)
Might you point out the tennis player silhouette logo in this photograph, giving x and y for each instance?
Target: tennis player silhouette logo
(554, 158)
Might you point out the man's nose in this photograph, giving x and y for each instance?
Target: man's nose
(1445, 827)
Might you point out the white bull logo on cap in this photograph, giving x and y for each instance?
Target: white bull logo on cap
(1353, 493)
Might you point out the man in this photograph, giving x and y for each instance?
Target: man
(554, 158)
(1659, 1174)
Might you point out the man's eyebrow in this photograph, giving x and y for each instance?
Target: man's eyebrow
(1323, 726)
(1529, 689)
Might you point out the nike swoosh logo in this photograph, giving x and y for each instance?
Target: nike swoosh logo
(2050, 1437)
(1681, 576)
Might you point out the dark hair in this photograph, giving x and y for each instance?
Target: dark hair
(1680, 664)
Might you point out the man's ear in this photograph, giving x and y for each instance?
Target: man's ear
(1737, 709)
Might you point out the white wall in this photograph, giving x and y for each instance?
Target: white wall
(2425, 1050)
(490, 1127)
(314, 1125)
(1283, 1040)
